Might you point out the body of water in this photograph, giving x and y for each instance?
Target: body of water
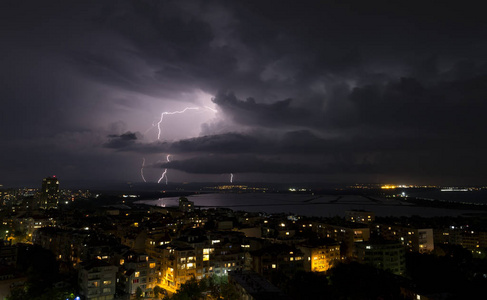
(320, 205)
(466, 197)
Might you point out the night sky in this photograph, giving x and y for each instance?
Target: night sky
(279, 91)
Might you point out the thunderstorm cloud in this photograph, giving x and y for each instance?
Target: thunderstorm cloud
(281, 90)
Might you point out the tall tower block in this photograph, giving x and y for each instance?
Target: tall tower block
(49, 193)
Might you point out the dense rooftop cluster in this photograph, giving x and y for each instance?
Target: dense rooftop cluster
(122, 250)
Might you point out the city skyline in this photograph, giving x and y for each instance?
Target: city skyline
(280, 91)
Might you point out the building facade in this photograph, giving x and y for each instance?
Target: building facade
(49, 196)
(97, 280)
(388, 255)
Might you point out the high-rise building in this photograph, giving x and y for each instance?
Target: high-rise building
(49, 197)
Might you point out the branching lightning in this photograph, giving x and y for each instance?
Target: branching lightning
(158, 123)
(159, 131)
(171, 113)
(164, 174)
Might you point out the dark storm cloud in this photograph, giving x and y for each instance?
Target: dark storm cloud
(277, 114)
(220, 164)
(128, 136)
(311, 87)
(123, 140)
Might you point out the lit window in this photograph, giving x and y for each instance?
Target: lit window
(152, 265)
(274, 266)
(107, 282)
(137, 274)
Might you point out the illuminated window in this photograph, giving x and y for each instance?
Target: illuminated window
(122, 261)
(152, 265)
(137, 274)
(107, 282)
(274, 266)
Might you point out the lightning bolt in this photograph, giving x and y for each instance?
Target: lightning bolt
(159, 131)
(142, 170)
(158, 123)
(171, 113)
(164, 174)
(212, 109)
(231, 177)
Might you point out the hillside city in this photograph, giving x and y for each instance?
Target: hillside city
(66, 244)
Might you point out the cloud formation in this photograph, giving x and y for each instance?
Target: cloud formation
(366, 90)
